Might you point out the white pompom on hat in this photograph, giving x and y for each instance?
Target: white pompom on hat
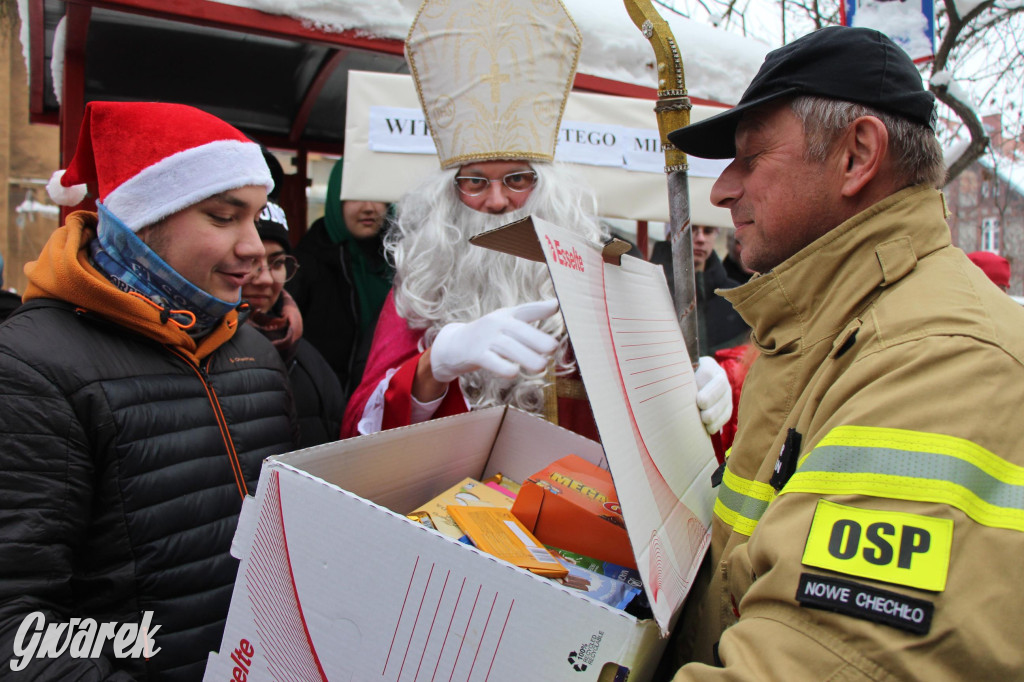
(147, 160)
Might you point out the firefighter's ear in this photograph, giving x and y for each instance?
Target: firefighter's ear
(863, 153)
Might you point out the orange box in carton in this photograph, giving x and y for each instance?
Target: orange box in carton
(572, 504)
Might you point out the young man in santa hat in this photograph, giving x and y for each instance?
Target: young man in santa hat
(137, 409)
(458, 331)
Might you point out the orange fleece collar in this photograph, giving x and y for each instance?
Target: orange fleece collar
(63, 272)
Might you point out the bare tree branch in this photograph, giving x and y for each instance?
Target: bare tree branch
(983, 49)
(979, 140)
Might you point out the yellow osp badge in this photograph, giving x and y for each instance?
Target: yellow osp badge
(892, 547)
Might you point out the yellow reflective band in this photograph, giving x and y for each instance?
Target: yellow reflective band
(915, 466)
(741, 502)
(891, 547)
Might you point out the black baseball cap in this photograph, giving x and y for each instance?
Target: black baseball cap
(851, 64)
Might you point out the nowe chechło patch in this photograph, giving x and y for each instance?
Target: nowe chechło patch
(81, 638)
(854, 599)
(891, 547)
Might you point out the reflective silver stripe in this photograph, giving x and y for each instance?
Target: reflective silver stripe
(742, 502)
(744, 505)
(928, 465)
(912, 465)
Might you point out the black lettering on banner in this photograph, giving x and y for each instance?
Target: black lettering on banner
(865, 602)
(395, 125)
(647, 144)
(594, 138)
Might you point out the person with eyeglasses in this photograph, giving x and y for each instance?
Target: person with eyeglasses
(495, 187)
(466, 327)
(319, 399)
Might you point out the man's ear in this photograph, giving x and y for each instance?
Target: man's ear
(863, 151)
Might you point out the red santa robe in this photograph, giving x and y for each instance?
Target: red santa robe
(396, 347)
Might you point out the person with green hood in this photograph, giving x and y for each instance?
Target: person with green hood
(342, 281)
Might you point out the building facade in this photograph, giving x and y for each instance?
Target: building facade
(29, 154)
(986, 203)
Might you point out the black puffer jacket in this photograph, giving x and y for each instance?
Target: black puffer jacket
(121, 470)
(324, 291)
(319, 402)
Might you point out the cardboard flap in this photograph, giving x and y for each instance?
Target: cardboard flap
(634, 364)
(393, 469)
(520, 239)
(242, 538)
(614, 250)
(516, 239)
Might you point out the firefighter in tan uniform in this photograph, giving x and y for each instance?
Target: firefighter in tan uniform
(869, 517)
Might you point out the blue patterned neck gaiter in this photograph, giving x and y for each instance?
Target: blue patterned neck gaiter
(134, 267)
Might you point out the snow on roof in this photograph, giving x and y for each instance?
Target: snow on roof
(718, 65)
(1009, 170)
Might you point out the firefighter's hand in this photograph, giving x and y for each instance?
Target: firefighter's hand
(500, 342)
(714, 395)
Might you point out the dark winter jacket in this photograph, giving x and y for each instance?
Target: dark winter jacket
(718, 325)
(324, 292)
(319, 401)
(734, 270)
(9, 302)
(126, 449)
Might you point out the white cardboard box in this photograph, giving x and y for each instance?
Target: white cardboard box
(335, 583)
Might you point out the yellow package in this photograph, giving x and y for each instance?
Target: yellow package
(496, 531)
(467, 492)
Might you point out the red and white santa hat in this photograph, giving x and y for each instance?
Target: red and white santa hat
(147, 160)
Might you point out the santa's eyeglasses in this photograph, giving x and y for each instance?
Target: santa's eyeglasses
(474, 185)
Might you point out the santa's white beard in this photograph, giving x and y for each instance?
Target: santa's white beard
(442, 278)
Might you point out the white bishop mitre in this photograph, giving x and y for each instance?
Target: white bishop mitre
(493, 76)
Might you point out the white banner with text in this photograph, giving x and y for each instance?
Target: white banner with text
(612, 140)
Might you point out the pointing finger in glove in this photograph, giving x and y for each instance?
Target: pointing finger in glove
(535, 310)
(499, 342)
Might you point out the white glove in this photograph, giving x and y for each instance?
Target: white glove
(500, 342)
(714, 394)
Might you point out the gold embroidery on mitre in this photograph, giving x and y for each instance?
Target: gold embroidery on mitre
(493, 76)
